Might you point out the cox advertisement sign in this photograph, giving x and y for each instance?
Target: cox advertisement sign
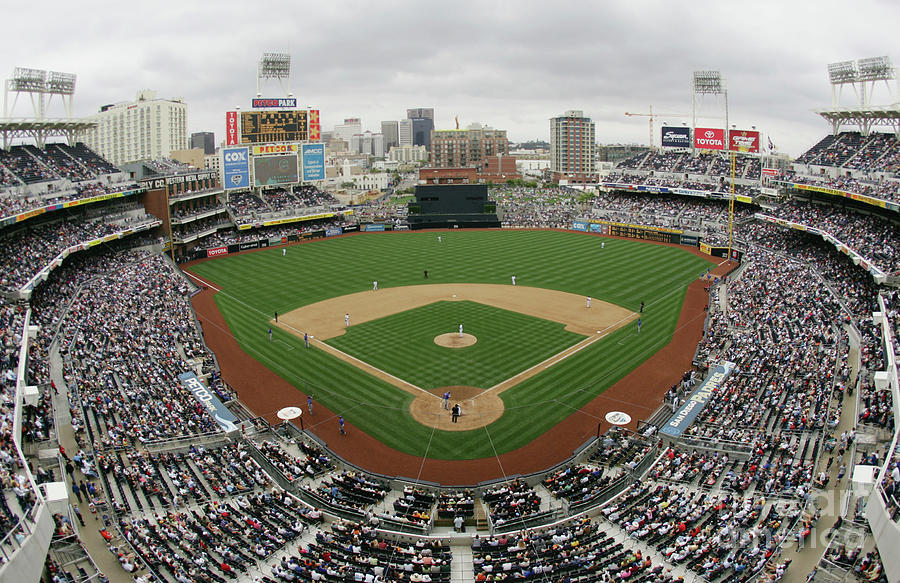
(236, 164)
(743, 141)
(231, 128)
(709, 138)
(313, 162)
(676, 137)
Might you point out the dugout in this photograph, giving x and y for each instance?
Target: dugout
(449, 206)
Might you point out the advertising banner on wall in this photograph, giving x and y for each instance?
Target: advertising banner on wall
(231, 128)
(225, 418)
(674, 137)
(236, 165)
(263, 149)
(709, 138)
(743, 141)
(313, 162)
(683, 418)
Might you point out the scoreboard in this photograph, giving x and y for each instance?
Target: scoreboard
(274, 126)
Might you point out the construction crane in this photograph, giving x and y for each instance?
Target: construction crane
(651, 115)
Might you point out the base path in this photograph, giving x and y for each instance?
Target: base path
(638, 394)
(325, 319)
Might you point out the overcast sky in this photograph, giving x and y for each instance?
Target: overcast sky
(511, 65)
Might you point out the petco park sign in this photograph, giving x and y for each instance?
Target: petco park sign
(709, 139)
(281, 103)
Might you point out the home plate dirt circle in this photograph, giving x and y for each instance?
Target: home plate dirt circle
(479, 408)
(454, 340)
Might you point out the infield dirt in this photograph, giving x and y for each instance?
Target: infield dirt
(481, 405)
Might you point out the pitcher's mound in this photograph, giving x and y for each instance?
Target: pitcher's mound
(478, 408)
(454, 340)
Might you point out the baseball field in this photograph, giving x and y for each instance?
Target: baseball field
(529, 357)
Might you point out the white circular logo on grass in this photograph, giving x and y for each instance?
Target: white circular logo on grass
(618, 418)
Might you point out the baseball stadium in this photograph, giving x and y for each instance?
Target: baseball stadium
(682, 368)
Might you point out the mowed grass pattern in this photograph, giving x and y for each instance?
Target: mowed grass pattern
(254, 285)
(403, 344)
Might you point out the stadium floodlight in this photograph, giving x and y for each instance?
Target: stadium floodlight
(275, 66)
(708, 83)
(842, 72)
(28, 80)
(875, 69)
(61, 83)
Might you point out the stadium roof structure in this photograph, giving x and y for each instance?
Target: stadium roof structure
(41, 129)
(863, 117)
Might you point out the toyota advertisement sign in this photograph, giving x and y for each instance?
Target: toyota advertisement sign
(709, 138)
(743, 141)
(676, 137)
(236, 165)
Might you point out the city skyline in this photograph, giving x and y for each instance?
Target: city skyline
(509, 66)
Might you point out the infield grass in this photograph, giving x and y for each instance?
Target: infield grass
(254, 285)
(508, 343)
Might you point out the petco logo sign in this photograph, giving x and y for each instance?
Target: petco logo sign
(262, 102)
(709, 139)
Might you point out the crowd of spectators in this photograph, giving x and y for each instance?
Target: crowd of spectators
(577, 551)
(24, 254)
(884, 188)
(685, 163)
(533, 207)
(511, 501)
(312, 464)
(129, 388)
(872, 236)
(279, 202)
(877, 152)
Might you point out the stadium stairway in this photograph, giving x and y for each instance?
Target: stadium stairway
(90, 535)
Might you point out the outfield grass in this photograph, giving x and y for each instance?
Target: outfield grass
(254, 285)
(508, 343)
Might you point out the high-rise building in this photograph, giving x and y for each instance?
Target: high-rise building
(467, 148)
(422, 125)
(405, 132)
(572, 144)
(145, 129)
(391, 132)
(423, 112)
(367, 143)
(206, 141)
(348, 129)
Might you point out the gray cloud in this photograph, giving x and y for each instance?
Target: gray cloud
(512, 65)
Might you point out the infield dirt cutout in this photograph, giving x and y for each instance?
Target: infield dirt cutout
(480, 405)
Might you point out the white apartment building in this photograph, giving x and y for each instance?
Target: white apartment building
(145, 129)
(409, 154)
(405, 132)
(348, 129)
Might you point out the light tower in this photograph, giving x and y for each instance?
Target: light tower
(711, 83)
(40, 86)
(274, 66)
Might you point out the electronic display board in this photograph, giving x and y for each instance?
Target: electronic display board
(275, 170)
(273, 126)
